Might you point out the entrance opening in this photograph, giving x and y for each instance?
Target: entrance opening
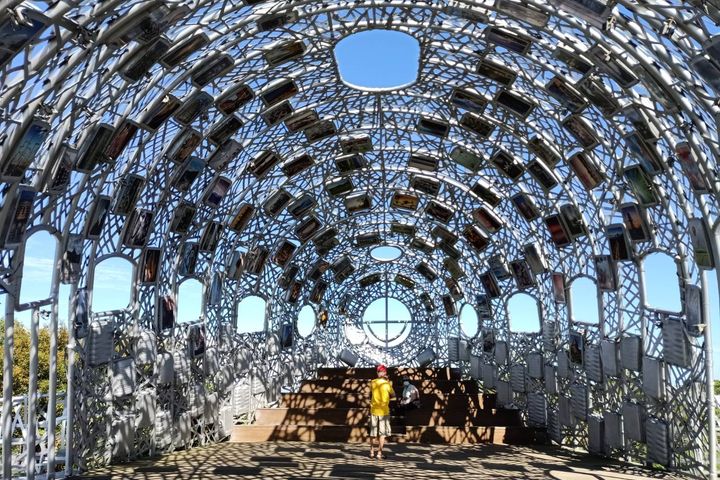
(378, 60)
(387, 322)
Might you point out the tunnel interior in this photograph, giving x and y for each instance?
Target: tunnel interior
(520, 203)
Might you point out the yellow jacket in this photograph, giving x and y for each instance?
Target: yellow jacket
(382, 390)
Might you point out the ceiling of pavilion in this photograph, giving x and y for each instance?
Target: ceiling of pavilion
(213, 126)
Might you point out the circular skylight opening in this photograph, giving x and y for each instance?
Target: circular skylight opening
(386, 253)
(387, 322)
(378, 60)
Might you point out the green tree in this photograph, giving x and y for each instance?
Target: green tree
(21, 356)
(717, 387)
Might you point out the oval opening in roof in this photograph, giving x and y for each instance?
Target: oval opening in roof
(386, 253)
(378, 60)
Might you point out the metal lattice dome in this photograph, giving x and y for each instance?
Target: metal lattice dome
(541, 143)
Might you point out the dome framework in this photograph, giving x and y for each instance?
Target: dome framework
(542, 142)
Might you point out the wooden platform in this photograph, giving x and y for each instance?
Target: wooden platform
(335, 408)
(310, 461)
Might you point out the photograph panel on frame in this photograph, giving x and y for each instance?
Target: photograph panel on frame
(25, 151)
(467, 158)
(558, 232)
(61, 174)
(188, 173)
(196, 339)
(188, 259)
(217, 191)
(691, 169)
(701, 243)
(71, 260)
(499, 266)
(619, 243)
(526, 206)
(636, 222)
(694, 308)
(524, 277)
(167, 311)
(489, 282)
(573, 221)
(96, 219)
(81, 312)
(484, 307)
(235, 265)
(211, 236)
(558, 286)
(488, 340)
(216, 287)
(128, 192)
(137, 228)
(606, 273)
(182, 217)
(150, 265)
(577, 347)
(19, 212)
(404, 200)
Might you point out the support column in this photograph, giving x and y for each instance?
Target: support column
(8, 350)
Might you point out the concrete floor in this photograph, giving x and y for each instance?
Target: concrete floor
(285, 460)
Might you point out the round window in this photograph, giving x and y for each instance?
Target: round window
(306, 321)
(469, 321)
(387, 322)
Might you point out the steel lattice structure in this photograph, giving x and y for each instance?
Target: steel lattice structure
(542, 142)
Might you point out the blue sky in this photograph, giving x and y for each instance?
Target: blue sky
(392, 51)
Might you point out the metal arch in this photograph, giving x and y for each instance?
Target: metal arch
(70, 78)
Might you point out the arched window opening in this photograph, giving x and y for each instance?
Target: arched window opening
(661, 282)
(251, 314)
(112, 285)
(38, 265)
(469, 320)
(189, 300)
(523, 313)
(306, 321)
(584, 301)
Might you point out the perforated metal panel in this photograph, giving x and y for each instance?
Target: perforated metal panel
(123, 381)
(537, 409)
(517, 378)
(596, 434)
(653, 378)
(579, 401)
(657, 441)
(631, 352)
(676, 346)
(535, 365)
(633, 422)
(593, 364)
(609, 355)
(501, 353)
(504, 394)
(476, 367)
(613, 430)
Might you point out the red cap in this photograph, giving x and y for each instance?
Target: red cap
(381, 368)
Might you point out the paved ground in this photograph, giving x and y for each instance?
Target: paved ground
(285, 460)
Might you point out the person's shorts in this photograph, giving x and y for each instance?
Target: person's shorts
(379, 426)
